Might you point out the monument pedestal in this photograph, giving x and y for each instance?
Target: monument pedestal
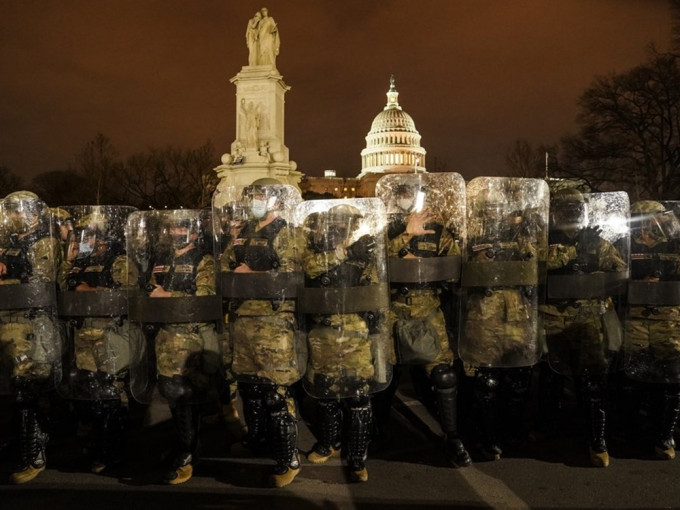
(259, 149)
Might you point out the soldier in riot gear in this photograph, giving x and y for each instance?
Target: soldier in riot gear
(582, 328)
(29, 338)
(99, 333)
(342, 371)
(259, 268)
(424, 261)
(499, 344)
(652, 341)
(183, 309)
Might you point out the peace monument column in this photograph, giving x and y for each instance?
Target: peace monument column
(259, 149)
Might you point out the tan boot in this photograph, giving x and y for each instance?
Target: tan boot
(599, 459)
(181, 470)
(321, 453)
(359, 475)
(284, 475)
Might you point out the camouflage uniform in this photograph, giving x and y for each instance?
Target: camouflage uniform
(263, 335)
(29, 338)
(341, 366)
(185, 352)
(420, 305)
(499, 333)
(577, 336)
(652, 328)
(101, 343)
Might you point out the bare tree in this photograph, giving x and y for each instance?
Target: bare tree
(629, 135)
(525, 160)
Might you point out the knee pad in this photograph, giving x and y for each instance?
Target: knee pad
(275, 401)
(444, 377)
(175, 389)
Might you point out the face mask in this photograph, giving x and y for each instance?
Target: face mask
(405, 204)
(84, 249)
(179, 242)
(258, 208)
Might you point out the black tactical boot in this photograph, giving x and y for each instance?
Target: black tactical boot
(359, 436)
(186, 418)
(109, 429)
(330, 425)
(664, 447)
(283, 438)
(32, 443)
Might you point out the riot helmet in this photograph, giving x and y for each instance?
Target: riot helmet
(652, 223)
(410, 198)
(568, 209)
(263, 196)
(341, 222)
(24, 211)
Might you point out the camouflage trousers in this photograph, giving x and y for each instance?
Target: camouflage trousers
(576, 343)
(499, 329)
(264, 347)
(423, 305)
(29, 348)
(101, 345)
(652, 349)
(340, 354)
(187, 350)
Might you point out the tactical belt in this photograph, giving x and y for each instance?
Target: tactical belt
(586, 285)
(653, 293)
(175, 309)
(27, 295)
(511, 273)
(328, 301)
(101, 303)
(269, 285)
(430, 269)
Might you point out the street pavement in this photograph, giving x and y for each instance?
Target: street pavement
(407, 470)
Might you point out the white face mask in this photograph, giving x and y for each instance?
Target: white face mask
(258, 208)
(405, 204)
(84, 249)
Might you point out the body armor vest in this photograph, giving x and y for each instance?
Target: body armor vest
(95, 270)
(255, 248)
(178, 274)
(583, 263)
(16, 256)
(646, 261)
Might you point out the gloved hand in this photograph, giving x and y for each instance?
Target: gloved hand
(362, 248)
(588, 239)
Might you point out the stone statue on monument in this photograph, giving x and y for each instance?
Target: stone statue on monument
(251, 112)
(262, 39)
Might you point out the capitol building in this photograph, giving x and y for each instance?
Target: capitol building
(392, 146)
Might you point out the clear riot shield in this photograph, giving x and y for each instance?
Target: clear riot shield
(502, 271)
(652, 325)
(425, 241)
(587, 276)
(345, 299)
(92, 302)
(30, 340)
(257, 247)
(173, 302)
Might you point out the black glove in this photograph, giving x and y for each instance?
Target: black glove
(588, 239)
(362, 248)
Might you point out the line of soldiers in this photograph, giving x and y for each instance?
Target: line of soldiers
(268, 294)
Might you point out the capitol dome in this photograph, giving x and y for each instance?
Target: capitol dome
(393, 143)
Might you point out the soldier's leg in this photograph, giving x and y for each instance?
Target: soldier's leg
(516, 394)
(186, 416)
(550, 396)
(283, 435)
(329, 431)
(32, 438)
(593, 388)
(667, 415)
(110, 431)
(382, 405)
(487, 383)
(445, 383)
(358, 436)
(255, 415)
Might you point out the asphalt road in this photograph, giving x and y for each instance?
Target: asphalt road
(407, 470)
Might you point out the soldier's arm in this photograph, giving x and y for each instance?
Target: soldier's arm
(447, 244)
(318, 263)
(205, 277)
(45, 259)
(227, 259)
(124, 272)
(287, 247)
(609, 258)
(560, 255)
